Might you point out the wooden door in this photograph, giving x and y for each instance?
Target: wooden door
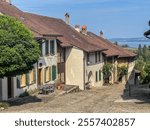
(40, 76)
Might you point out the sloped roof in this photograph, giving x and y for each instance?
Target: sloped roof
(36, 27)
(70, 35)
(47, 26)
(112, 49)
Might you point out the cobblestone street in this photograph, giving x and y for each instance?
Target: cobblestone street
(105, 99)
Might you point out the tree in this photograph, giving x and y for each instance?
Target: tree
(107, 68)
(147, 70)
(18, 49)
(140, 50)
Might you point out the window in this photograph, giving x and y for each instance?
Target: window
(54, 73)
(97, 57)
(96, 75)
(88, 58)
(100, 75)
(62, 56)
(47, 74)
(52, 47)
(47, 47)
(41, 49)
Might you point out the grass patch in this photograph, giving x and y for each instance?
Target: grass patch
(4, 105)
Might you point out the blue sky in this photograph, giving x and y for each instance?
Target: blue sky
(117, 18)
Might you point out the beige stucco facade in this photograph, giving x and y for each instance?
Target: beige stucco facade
(92, 68)
(74, 67)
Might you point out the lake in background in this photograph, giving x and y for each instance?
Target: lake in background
(132, 42)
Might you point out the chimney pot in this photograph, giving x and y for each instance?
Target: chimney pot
(84, 30)
(101, 34)
(77, 28)
(67, 18)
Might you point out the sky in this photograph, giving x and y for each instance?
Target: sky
(116, 18)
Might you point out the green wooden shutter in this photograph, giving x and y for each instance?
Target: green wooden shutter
(100, 72)
(18, 78)
(53, 72)
(34, 74)
(45, 75)
(96, 75)
(27, 79)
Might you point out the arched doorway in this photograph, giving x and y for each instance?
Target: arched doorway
(91, 78)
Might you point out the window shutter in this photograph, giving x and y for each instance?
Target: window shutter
(96, 74)
(34, 74)
(53, 72)
(45, 75)
(18, 78)
(27, 79)
(50, 74)
(100, 72)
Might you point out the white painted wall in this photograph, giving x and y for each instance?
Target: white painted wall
(0, 89)
(4, 89)
(74, 67)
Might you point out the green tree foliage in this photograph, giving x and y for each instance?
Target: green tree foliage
(144, 52)
(18, 49)
(122, 71)
(140, 52)
(147, 75)
(107, 68)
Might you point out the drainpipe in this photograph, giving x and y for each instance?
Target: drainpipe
(84, 71)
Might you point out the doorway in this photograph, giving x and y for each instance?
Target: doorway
(10, 87)
(91, 79)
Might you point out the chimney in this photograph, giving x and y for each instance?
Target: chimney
(84, 30)
(67, 18)
(8, 1)
(77, 28)
(101, 34)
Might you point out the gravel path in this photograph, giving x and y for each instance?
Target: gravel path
(96, 100)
